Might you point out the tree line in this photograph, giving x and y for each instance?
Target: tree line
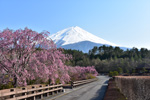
(108, 58)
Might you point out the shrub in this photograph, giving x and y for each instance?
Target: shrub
(114, 73)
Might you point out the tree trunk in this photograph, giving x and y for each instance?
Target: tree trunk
(15, 82)
(50, 82)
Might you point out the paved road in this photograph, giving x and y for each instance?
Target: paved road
(92, 91)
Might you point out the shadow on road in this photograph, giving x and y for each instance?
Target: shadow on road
(101, 92)
(106, 82)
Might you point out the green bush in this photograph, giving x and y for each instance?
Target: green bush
(6, 86)
(113, 73)
(90, 76)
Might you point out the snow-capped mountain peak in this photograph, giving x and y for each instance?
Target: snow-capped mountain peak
(76, 34)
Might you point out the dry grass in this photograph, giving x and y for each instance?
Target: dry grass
(134, 87)
(113, 93)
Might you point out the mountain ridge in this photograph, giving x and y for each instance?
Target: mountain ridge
(78, 39)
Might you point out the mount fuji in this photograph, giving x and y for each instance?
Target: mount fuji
(78, 39)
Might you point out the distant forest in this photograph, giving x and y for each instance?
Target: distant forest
(108, 58)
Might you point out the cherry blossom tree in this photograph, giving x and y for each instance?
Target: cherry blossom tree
(26, 55)
(81, 73)
(54, 65)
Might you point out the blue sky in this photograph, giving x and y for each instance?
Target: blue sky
(123, 22)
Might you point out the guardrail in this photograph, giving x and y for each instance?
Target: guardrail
(30, 92)
(77, 83)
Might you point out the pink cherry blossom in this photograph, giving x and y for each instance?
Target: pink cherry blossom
(28, 55)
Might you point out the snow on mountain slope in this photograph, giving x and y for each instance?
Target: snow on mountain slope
(83, 46)
(76, 34)
(78, 39)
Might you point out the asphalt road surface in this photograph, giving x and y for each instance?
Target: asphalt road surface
(91, 91)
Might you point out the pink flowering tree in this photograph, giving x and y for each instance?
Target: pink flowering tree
(53, 61)
(27, 55)
(81, 73)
